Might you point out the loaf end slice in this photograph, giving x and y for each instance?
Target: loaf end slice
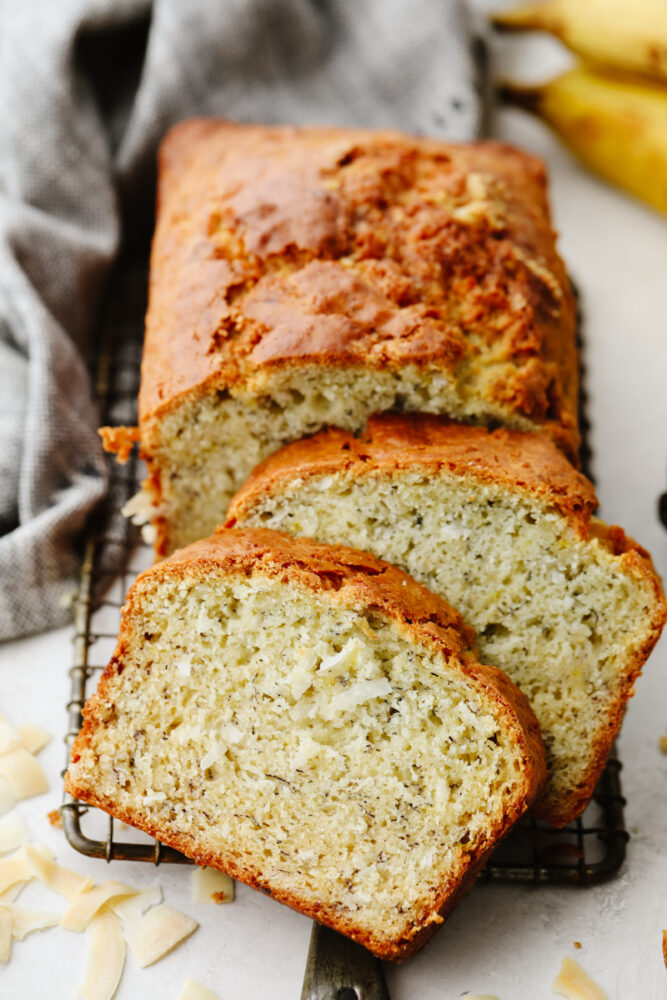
(312, 721)
(309, 277)
(502, 526)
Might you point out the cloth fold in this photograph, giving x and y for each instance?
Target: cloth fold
(87, 89)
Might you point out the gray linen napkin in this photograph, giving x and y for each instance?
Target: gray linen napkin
(87, 89)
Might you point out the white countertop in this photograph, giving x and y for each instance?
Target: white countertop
(504, 940)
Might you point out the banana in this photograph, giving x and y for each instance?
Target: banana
(617, 127)
(629, 35)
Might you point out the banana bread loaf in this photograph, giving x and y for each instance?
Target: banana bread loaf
(500, 525)
(314, 722)
(310, 277)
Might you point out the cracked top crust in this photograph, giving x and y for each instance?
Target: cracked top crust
(284, 247)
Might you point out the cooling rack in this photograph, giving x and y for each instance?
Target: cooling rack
(583, 853)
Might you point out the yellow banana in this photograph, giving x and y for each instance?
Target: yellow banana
(617, 127)
(629, 35)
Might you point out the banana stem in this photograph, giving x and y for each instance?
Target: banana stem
(528, 98)
(505, 26)
(541, 16)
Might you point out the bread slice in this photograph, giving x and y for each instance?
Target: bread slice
(310, 277)
(501, 526)
(312, 721)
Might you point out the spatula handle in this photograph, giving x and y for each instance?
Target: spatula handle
(339, 969)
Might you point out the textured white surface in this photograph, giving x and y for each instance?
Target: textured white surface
(504, 940)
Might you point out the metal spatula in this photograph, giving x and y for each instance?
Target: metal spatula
(339, 969)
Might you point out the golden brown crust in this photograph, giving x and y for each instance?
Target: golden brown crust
(392, 951)
(119, 441)
(521, 460)
(359, 577)
(354, 579)
(341, 247)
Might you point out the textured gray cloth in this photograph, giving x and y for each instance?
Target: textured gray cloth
(87, 89)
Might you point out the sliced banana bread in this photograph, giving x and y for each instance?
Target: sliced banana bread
(310, 277)
(500, 525)
(314, 722)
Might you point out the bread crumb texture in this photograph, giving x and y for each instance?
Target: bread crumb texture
(501, 527)
(306, 743)
(310, 277)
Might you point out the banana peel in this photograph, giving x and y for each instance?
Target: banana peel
(629, 36)
(616, 127)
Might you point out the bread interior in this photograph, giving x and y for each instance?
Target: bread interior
(207, 446)
(314, 748)
(555, 612)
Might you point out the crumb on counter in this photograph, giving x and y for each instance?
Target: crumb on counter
(55, 819)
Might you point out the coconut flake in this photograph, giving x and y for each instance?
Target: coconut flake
(211, 886)
(43, 850)
(183, 667)
(192, 990)
(12, 832)
(24, 774)
(10, 738)
(307, 749)
(7, 797)
(358, 694)
(345, 658)
(210, 758)
(5, 934)
(33, 737)
(105, 958)
(54, 876)
(231, 733)
(131, 908)
(13, 870)
(87, 904)
(575, 984)
(160, 930)
(152, 798)
(149, 534)
(12, 894)
(140, 508)
(26, 921)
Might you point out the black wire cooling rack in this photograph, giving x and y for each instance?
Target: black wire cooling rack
(583, 853)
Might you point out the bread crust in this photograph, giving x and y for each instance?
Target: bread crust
(636, 561)
(396, 951)
(119, 441)
(285, 247)
(521, 461)
(353, 579)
